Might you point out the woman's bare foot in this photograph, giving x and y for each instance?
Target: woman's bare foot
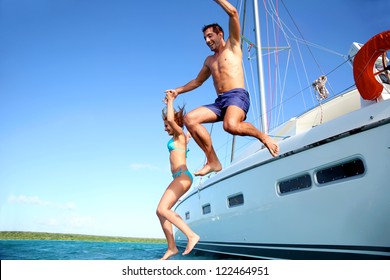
(208, 168)
(191, 244)
(169, 253)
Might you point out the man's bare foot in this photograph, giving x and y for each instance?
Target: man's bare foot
(169, 253)
(191, 244)
(271, 145)
(208, 168)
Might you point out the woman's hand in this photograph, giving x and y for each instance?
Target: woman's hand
(169, 96)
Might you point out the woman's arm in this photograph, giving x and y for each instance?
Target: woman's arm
(171, 115)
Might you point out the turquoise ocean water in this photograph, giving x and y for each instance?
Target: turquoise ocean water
(80, 250)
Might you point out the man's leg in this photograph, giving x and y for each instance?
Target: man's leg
(234, 123)
(193, 121)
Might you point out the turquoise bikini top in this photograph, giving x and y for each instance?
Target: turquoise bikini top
(171, 146)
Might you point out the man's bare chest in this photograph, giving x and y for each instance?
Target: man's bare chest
(223, 62)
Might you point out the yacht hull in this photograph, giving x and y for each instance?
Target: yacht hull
(327, 196)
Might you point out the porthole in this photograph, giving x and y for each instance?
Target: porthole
(206, 209)
(236, 200)
(340, 171)
(295, 184)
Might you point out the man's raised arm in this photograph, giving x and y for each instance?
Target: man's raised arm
(234, 20)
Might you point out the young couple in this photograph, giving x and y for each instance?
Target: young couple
(230, 106)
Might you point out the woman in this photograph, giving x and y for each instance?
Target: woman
(182, 180)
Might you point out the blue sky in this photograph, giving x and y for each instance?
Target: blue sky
(82, 146)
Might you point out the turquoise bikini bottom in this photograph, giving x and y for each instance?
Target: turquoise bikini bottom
(178, 174)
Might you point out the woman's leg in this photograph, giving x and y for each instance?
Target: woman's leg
(175, 190)
(168, 232)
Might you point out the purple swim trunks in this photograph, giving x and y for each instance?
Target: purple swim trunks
(238, 97)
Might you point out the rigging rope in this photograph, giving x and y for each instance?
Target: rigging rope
(319, 86)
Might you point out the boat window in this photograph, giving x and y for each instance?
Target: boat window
(206, 209)
(236, 200)
(340, 171)
(295, 183)
(187, 215)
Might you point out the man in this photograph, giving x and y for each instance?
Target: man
(232, 103)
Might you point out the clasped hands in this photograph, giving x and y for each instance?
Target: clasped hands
(170, 95)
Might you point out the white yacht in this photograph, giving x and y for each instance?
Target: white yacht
(326, 196)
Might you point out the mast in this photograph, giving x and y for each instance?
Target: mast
(242, 36)
(263, 109)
